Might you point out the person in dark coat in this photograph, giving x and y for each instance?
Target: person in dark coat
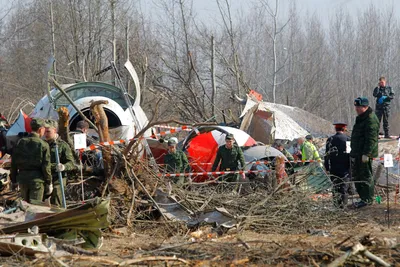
(384, 94)
(364, 147)
(337, 164)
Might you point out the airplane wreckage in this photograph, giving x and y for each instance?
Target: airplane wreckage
(262, 120)
(125, 119)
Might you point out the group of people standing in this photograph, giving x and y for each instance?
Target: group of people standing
(364, 147)
(229, 157)
(357, 164)
(339, 164)
(35, 163)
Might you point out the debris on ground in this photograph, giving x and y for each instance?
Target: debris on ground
(129, 212)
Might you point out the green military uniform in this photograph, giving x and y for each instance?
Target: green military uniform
(30, 165)
(287, 155)
(177, 162)
(67, 159)
(364, 141)
(229, 159)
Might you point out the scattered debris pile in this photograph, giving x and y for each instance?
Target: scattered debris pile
(267, 219)
(207, 223)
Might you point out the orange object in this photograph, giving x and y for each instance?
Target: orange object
(255, 95)
(281, 174)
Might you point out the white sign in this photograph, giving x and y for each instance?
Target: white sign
(398, 143)
(388, 160)
(348, 146)
(80, 141)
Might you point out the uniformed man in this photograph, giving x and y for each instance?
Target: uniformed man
(66, 160)
(83, 127)
(281, 148)
(97, 167)
(384, 95)
(176, 161)
(30, 164)
(337, 163)
(364, 147)
(229, 155)
(308, 149)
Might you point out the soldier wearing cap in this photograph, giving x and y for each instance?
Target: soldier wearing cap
(66, 160)
(30, 165)
(279, 146)
(364, 147)
(308, 149)
(337, 163)
(176, 161)
(230, 155)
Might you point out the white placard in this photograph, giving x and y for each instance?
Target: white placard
(348, 146)
(398, 143)
(80, 141)
(388, 160)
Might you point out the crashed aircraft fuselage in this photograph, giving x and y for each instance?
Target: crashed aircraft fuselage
(124, 113)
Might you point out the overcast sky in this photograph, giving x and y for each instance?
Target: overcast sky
(207, 10)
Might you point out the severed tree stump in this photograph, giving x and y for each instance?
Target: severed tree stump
(101, 122)
(281, 174)
(63, 129)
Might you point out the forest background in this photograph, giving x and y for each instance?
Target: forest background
(196, 64)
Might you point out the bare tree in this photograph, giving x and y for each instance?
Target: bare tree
(273, 33)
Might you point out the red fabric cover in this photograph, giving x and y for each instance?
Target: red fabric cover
(203, 148)
(27, 122)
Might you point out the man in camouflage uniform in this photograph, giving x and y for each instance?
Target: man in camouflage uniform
(229, 155)
(66, 160)
(176, 162)
(30, 164)
(279, 146)
(364, 147)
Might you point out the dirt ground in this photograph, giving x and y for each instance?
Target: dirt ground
(160, 243)
(205, 248)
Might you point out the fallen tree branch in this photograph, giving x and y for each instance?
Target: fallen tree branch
(358, 248)
(79, 251)
(145, 190)
(93, 259)
(128, 217)
(154, 258)
(58, 86)
(375, 258)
